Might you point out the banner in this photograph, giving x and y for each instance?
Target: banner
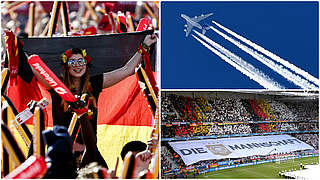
(199, 150)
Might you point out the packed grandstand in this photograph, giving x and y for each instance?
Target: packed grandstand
(274, 126)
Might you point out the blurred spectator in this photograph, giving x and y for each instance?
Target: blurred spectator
(80, 17)
(60, 160)
(281, 111)
(304, 110)
(311, 139)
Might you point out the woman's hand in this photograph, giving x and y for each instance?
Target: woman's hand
(150, 39)
(142, 161)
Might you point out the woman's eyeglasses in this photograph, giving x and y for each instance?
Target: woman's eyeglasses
(75, 62)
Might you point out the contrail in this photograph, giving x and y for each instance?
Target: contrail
(239, 64)
(261, 78)
(271, 55)
(296, 79)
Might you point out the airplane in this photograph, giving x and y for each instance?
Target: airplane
(194, 22)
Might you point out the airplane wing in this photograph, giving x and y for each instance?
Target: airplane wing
(189, 27)
(200, 18)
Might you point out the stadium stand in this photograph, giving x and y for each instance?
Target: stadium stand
(311, 139)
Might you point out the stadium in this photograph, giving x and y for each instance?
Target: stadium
(239, 134)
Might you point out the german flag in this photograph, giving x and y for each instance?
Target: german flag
(123, 116)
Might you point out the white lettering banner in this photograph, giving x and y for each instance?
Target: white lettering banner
(199, 150)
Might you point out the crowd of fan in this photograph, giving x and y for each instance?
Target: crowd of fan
(258, 110)
(204, 130)
(167, 132)
(230, 129)
(274, 127)
(167, 110)
(169, 153)
(311, 139)
(97, 21)
(187, 130)
(213, 110)
(281, 111)
(165, 162)
(305, 111)
(186, 108)
(229, 110)
(201, 110)
(307, 126)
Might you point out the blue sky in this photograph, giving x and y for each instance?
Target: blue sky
(288, 29)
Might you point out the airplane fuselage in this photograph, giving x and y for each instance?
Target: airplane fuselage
(195, 24)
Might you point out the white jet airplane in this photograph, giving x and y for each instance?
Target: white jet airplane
(194, 22)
